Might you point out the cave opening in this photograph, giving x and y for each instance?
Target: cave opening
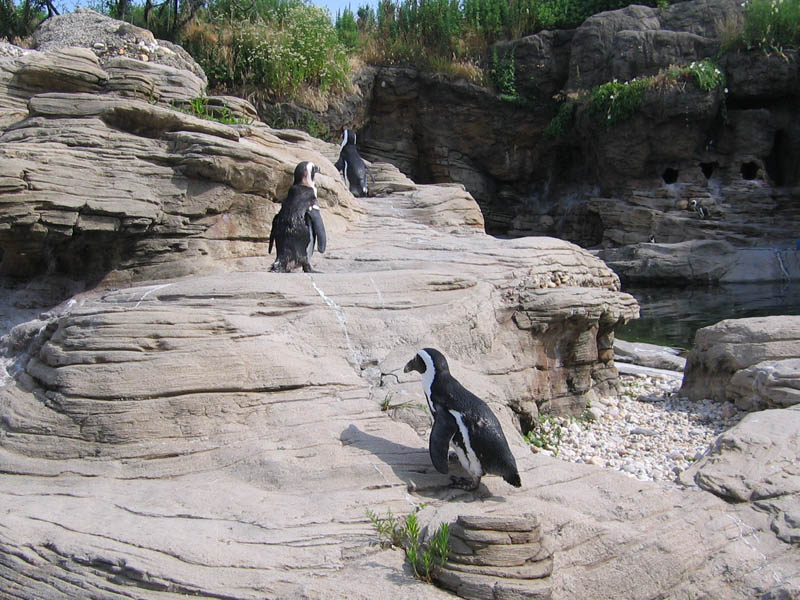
(670, 175)
(708, 169)
(749, 170)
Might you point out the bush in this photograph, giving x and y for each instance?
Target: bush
(614, 101)
(299, 46)
(772, 25)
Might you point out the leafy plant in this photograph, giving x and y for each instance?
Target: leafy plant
(503, 73)
(771, 25)
(423, 558)
(706, 74)
(564, 119)
(616, 101)
(200, 107)
(547, 434)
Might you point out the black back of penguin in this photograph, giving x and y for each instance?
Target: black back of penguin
(352, 166)
(486, 435)
(298, 225)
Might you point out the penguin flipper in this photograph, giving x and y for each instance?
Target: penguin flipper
(318, 227)
(272, 233)
(444, 428)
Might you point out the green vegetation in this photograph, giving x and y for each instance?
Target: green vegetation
(280, 49)
(549, 430)
(424, 559)
(771, 25)
(19, 21)
(547, 434)
(285, 46)
(616, 101)
(200, 107)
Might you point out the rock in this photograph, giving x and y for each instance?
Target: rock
(701, 262)
(109, 39)
(649, 355)
(766, 384)
(742, 349)
(175, 419)
(503, 557)
(756, 461)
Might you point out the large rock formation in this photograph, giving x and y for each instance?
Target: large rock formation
(752, 362)
(187, 423)
(731, 151)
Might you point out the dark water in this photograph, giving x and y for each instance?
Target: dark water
(670, 316)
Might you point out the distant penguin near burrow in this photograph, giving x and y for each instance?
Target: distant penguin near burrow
(463, 421)
(351, 166)
(701, 210)
(298, 224)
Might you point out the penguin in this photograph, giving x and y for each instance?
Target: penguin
(352, 167)
(701, 211)
(463, 421)
(298, 224)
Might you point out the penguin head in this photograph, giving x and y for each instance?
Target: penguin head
(304, 174)
(427, 361)
(348, 137)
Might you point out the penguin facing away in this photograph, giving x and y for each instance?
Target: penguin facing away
(298, 224)
(463, 421)
(351, 165)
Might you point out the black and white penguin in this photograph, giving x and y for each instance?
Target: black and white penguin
(352, 166)
(298, 224)
(463, 421)
(701, 211)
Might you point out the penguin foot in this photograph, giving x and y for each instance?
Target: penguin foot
(465, 483)
(308, 269)
(277, 268)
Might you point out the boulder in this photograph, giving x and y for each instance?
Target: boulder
(649, 355)
(109, 39)
(757, 353)
(770, 383)
(756, 461)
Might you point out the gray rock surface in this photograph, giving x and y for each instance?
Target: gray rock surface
(649, 355)
(701, 262)
(110, 39)
(756, 461)
(751, 362)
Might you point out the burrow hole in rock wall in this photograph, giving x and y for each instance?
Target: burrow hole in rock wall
(670, 175)
(708, 168)
(749, 170)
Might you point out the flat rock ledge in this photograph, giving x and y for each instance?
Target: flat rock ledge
(495, 557)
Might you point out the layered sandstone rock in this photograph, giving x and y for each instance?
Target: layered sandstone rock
(751, 362)
(188, 423)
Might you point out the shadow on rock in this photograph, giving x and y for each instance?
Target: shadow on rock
(413, 466)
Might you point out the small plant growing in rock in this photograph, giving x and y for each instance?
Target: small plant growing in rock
(547, 434)
(616, 101)
(424, 559)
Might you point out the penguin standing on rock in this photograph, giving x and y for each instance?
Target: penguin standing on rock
(463, 421)
(352, 166)
(298, 224)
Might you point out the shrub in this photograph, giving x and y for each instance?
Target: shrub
(299, 46)
(771, 25)
(424, 559)
(615, 101)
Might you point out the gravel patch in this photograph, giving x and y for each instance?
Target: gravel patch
(648, 432)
